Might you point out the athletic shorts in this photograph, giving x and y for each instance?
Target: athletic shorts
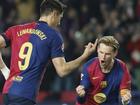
(16, 100)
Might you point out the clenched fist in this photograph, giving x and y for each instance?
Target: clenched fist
(80, 91)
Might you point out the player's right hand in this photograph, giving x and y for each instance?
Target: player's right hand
(90, 48)
(80, 91)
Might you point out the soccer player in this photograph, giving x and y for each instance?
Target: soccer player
(104, 79)
(33, 44)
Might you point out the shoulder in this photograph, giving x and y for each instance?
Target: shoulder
(48, 29)
(56, 36)
(23, 25)
(93, 60)
(90, 63)
(120, 62)
(11, 28)
(56, 33)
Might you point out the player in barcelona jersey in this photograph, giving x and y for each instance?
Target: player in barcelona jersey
(33, 44)
(105, 80)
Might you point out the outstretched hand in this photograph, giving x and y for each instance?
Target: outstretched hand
(90, 48)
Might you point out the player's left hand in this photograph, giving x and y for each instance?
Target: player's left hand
(125, 96)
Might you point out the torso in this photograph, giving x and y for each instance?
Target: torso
(32, 46)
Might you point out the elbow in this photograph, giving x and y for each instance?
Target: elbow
(62, 74)
(63, 70)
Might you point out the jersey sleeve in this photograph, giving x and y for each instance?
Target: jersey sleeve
(126, 78)
(57, 47)
(8, 36)
(85, 81)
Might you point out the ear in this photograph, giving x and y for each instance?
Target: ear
(53, 13)
(56, 13)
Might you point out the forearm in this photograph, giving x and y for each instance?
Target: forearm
(74, 64)
(63, 68)
(89, 49)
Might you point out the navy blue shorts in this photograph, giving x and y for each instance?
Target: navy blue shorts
(16, 100)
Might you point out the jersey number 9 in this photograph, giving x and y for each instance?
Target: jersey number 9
(25, 55)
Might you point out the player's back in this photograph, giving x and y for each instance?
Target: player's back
(32, 45)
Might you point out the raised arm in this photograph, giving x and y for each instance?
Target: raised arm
(63, 68)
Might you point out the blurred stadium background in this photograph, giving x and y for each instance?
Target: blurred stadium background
(84, 21)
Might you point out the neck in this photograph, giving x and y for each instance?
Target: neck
(46, 19)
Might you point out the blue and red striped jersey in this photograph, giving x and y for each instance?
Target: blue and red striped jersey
(106, 85)
(32, 45)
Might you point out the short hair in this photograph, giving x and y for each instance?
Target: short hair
(109, 41)
(48, 6)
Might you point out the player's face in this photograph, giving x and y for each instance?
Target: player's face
(105, 54)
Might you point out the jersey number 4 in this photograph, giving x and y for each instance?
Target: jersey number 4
(25, 55)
